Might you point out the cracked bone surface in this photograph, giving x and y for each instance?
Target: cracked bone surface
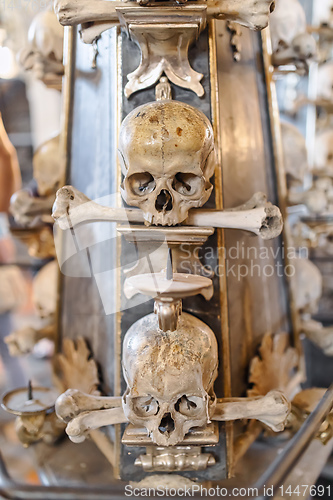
(79, 427)
(272, 409)
(290, 41)
(73, 402)
(170, 387)
(72, 208)
(170, 377)
(253, 14)
(167, 153)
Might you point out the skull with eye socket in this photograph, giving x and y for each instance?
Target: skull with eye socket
(170, 377)
(291, 43)
(167, 153)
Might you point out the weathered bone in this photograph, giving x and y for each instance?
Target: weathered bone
(295, 155)
(24, 340)
(272, 409)
(80, 426)
(72, 208)
(73, 402)
(291, 43)
(167, 153)
(319, 335)
(318, 199)
(253, 14)
(308, 286)
(27, 209)
(178, 398)
(44, 51)
(163, 31)
(85, 413)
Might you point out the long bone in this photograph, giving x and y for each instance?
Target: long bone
(253, 14)
(272, 409)
(181, 26)
(91, 420)
(257, 215)
(84, 412)
(72, 402)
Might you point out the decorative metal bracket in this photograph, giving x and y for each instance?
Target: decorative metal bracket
(162, 30)
(164, 36)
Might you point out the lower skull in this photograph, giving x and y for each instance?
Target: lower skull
(170, 377)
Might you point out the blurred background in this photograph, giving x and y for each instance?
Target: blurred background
(31, 169)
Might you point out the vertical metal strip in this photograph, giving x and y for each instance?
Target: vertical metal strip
(274, 116)
(118, 290)
(221, 241)
(65, 148)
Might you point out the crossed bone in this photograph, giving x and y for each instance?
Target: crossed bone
(253, 14)
(84, 413)
(257, 215)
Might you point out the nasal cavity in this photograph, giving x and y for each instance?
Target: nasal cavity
(167, 425)
(164, 201)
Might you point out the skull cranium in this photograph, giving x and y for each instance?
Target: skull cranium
(290, 41)
(43, 55)
(168, 156)
(45, 290)
(48, 168)
(295, 155)
(324, 151)
(170, 377)
(308, 286)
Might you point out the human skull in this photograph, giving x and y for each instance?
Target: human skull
(324, 185)
(308, 285)
(290, 40)
(48, 167)
(44, 53)
(323, 12)
(295, 154)
(170, 377)
(325, 81)
(45, 290)
(304, 46)
(167, 153)
(318, 199)
(303, 236)
(324, 151)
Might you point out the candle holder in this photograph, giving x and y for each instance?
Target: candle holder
(168, 289)
(36, 419)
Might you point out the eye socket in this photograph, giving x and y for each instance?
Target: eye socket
(187, 184)
(141, 183)
(145, 406)
(189, 405)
